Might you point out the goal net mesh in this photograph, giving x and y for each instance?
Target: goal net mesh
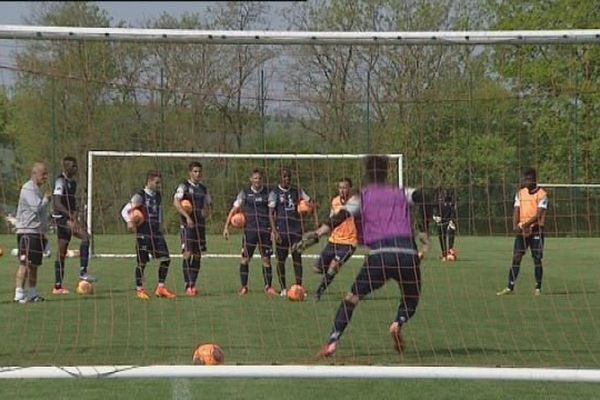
(468, 119)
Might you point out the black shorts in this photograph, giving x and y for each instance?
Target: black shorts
(254, 238)
(190, 240)
(151, 245)
(338, 252)
(62, 229)
(535, 242)
(31, 248)
(380, 267)
(287, 240)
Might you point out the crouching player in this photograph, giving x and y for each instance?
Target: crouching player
(342, 241)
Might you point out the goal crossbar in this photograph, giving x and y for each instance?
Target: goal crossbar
(262, 37)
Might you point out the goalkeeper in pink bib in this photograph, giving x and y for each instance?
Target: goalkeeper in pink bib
(386, 225)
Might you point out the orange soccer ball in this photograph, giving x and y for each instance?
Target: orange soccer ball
(187, 206)
(296, 293)
(452, 255)
(84, 288)
(238, 220)
(304, 207)
(208, 354)
(137, 216)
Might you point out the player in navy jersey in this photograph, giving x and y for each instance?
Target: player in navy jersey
(65, 210)
(253, 202)
(286, 225)
(192, 223)
(149, 237)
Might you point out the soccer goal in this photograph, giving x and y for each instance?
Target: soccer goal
(459, 112)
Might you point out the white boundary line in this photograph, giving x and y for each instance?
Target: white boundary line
(302, 371)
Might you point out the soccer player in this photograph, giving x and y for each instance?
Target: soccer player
(387, 231)
(253, 202)
(31, 226)
(445, 216)
(191, 222)
(342, 241)
(529, 214)
(64, 206)
(149, 237)
(286, 225)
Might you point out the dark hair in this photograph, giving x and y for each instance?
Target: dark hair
(530, 173)
(257, 171)
(285, 169)
(376, 169)
(153, 173)
(193, 165)
(69, 159)
(347, 180)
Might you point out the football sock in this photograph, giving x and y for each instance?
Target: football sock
(59, 272)
(539, 272)
(268, 275)
(297, 260)
(139, 275)
(186, 266)
(281, 274)
(244, 269)
(327, 278)
(163, 270)
(84, 256)
(194, 270)
(342, 318)
(512, 276)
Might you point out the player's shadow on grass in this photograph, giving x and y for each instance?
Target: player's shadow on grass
(566, 292)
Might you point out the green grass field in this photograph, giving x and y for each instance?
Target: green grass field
(460, 322)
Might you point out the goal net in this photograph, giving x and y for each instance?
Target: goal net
(461, 114)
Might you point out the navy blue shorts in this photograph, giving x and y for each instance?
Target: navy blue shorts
(380, 267)
(63, 231)
(338, 252)
(154, 245)
(190, 240)
(31, 248)
(253, 239)
(287, 240)
(535, 242)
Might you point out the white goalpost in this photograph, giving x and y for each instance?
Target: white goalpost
(96, 154)
(258, 38)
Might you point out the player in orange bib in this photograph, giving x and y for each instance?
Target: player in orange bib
(342, 241)
(531, 204)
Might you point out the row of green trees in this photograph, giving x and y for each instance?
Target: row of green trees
(467, 118)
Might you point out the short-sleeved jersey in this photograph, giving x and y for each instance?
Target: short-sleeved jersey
(66, 189)
(346, 232)
(151, 203)
(197, 194)
(255, 205)
(529, 202)
(285, 204)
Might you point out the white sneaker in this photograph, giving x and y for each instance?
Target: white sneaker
(283, 292)
(20, 296)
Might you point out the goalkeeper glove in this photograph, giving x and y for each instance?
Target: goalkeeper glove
(308, 239)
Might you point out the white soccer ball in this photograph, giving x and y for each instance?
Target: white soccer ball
(14, 252)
